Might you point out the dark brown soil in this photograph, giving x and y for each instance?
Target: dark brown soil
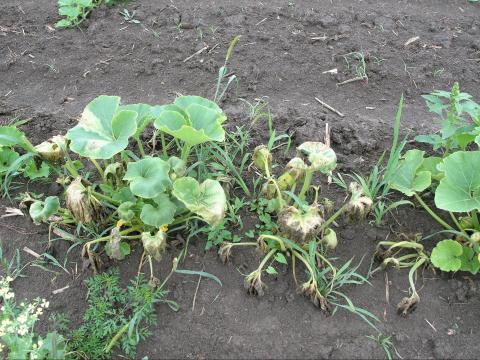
(49, 76)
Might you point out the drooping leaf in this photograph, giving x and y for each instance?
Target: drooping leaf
(155, 245)
(446, 255)
(160, 213)
(41, 211)
(115, 248)
(207, 200)
(320, 156)
(102, 131)
(192, 119)
(300, 224)
(407, 178)
(148, 177)
(459, 190)
(177, 167)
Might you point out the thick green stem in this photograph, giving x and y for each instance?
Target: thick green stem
(306, 184)
(277, 239)
(457, 224)
(332, 218)
(121, 233)
(185, 152)
(140, 147)
(105, 197)
(164, 144)
(249, 243)
(412, 272)
(432, 214)
(307, 265)
(476, 224)
(99, 168)
(265, 259)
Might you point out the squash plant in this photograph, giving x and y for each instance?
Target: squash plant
(452, 175)
(132, 196)
(303, 231)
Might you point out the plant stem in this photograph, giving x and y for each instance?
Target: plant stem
(457, 224)
(140, 147)
(185, 152)
(121, 233)
(99, 168)
(306, 183)
(307, 265)
(249, 243)
(104, 197)
(71, 168)
(265, 259)
(476, 224)
(164, 145)
(430, 211)
(277, 239)
(332, 218)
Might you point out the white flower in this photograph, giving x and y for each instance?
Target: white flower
(31, 308)
(39, 312)
(40, 343)
(33, 356)
(45, 304)
(9, 295)
(9, 279)
(23, 330)
(22, 318)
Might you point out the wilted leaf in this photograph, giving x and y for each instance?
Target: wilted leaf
(300, 225)
(320, 156)
(155, 245)
(42, 211)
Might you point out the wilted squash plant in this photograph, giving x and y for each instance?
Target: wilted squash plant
(304, 222)
(133, 197)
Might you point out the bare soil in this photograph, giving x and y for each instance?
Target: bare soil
(49, 76)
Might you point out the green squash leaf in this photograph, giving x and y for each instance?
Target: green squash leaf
(126, 210)
(144, 115)
(41, 211)
(103, 131)
(7, 158)
(192, 119)
(469, 261)
(407, 177)
(207, 200)
(446, 255)
(459, 190)
(33, 172)
(320, 156)
(430, 164)
(10, 136)
(161, 213)
(148, 177)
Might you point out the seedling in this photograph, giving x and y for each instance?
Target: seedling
(223, 73)
(77, 11)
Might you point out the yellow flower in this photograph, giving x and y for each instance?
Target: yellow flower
(164, 228)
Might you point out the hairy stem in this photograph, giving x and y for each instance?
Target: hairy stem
(99, 168)
(432, 213)
(306, 184)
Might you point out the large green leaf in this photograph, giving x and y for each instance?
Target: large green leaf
(161, 213)
(148, 177)
(41, 211)
(144, 115)
(10, 136)
(192, 119)
(207, 200)
(103, 131)
(470, 261)
(446, 255)
(408, 177)
(459, 190)
(320, 156)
